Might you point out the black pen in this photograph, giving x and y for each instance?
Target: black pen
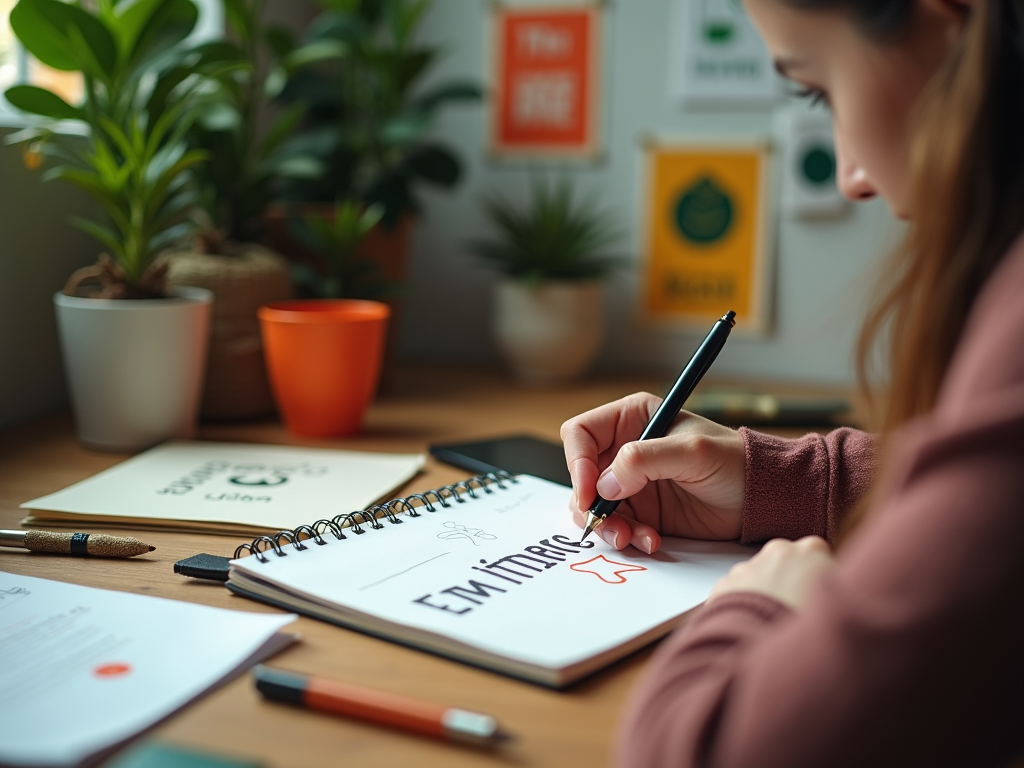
(672, 404)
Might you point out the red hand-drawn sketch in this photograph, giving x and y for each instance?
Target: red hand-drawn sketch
(608, 571)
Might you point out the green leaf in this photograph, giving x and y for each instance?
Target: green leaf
(404, 18)
(435, 164)
(338, 25)
(301, 167)
(431, 100)
(161, 240)
(40, 101)
(64, 36)
(101, 233)
(169, 24)
(239, 17)
(311, 53)
(281, 128)
(165, 84)
(218, 116)
(164, 181)
(280, 40)
(404, 129)
(277, 80)
(130, 23)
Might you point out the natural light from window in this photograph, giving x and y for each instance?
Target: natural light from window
(17, 67)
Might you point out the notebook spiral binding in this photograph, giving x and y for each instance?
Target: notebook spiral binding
(372, 516)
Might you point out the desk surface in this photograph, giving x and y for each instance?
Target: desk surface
(418, 407)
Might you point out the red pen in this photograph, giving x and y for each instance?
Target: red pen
(379, 707)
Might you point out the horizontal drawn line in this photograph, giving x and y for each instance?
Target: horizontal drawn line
(411, 567)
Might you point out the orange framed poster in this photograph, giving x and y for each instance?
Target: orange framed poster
(707, 231)
(545, 81)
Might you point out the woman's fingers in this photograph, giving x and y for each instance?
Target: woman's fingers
(785, 570)
(587, 436)
(619, 532)
(683, 457)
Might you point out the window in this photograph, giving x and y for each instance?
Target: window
(16, 66)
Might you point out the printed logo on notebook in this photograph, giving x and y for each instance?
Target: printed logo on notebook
(608, 571)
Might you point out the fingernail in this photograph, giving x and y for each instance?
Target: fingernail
(610, 535)
(645, 543)
(608, 485)
(575, 497)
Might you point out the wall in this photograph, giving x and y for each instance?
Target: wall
(38, 251)
(822, 267)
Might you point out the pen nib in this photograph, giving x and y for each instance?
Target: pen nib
(592, 522)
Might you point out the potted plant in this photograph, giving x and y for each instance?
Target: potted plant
(248, 161)
(133, 350)
(325, 353)
(343, 272)
(368, 119)
(549, 304)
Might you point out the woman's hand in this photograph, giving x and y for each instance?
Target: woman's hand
(688, 483)
(785, 570)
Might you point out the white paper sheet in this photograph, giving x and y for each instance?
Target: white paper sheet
(82, 669)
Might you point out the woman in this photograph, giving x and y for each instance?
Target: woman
(903, 647)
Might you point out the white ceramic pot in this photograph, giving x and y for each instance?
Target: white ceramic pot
(134, 367)
(549, 333)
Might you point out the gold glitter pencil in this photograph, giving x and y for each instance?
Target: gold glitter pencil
(79, 544)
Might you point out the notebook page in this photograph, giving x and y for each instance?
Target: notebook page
(505, 573)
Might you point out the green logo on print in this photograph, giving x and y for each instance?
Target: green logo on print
(704, 213)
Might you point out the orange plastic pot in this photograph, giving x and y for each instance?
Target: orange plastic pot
(324, 359)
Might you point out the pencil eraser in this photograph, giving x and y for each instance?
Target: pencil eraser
(204, 566)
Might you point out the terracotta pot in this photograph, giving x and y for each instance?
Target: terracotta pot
(389, 249)
(134, 366)
(549, 333)
(324, 358)
(236, 380)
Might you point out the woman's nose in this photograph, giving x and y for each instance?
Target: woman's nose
(852, 179)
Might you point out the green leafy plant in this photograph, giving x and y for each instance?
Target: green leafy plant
(134, 160)
(552, 238)
(367, 121)
(249, 157)
(344, 272)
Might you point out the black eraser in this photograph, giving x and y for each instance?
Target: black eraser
(204, 566)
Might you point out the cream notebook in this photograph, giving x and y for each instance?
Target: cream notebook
(234, 488)
(494, 576)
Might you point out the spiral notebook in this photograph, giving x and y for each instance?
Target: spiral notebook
(490, 571)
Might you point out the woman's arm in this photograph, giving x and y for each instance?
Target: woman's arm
(706, 481)
(909, 651)
(806, 486)
(907, 654)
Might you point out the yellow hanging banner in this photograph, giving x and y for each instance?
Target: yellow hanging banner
(707, 235)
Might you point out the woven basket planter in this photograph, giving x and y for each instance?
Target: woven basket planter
(236, 379)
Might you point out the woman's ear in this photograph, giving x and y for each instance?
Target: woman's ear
(953, 14)
(953, 9)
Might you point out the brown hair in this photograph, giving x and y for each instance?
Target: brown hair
(967, 198)
(966, 207)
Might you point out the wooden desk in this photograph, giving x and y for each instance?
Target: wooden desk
(574, 727)
(418, 407)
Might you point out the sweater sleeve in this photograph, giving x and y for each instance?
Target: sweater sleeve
(909, 653)
(806, 486)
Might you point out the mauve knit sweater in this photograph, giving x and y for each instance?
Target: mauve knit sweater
(912, 651)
